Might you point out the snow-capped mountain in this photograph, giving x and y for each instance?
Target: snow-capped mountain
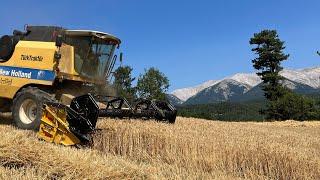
(227, 89)
(309, 77)
(257, 93)
(186, 93)
(250, 79)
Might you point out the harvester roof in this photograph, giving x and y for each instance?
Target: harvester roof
(98, 34)
(47, 33)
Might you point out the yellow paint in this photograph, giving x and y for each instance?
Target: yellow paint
(54, 127)
(33, 48)
(66, 63)
(10, 85)
(44, 50)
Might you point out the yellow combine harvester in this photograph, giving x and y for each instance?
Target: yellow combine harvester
(44, 69)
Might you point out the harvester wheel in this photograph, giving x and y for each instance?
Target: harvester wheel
(27, 107)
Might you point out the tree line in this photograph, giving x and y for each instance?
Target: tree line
(225, 111)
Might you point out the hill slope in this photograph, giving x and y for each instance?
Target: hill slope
(225, 90)
(186, 93)
(189, 149)
(234, 91)
(174, 99)
(256, 93)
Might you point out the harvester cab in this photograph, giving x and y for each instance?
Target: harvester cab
(45, 68)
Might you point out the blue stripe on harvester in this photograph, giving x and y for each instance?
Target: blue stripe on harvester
(27, 73)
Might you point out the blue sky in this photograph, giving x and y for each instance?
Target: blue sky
(189, 41)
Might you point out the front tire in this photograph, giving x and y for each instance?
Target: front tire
(27, 107)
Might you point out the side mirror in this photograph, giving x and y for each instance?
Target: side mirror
(121, 57)
(59, 41)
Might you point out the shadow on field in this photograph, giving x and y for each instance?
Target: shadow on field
(6, 118)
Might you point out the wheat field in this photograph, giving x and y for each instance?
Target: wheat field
(189, 149)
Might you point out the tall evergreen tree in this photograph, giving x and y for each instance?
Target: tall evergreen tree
(269, 49)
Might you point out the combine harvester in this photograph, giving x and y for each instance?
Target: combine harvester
(50, 77)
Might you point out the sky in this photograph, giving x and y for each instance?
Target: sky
(189, 41)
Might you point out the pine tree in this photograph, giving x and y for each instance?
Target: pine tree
(269, 49)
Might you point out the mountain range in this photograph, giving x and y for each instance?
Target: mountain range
(244, 87)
